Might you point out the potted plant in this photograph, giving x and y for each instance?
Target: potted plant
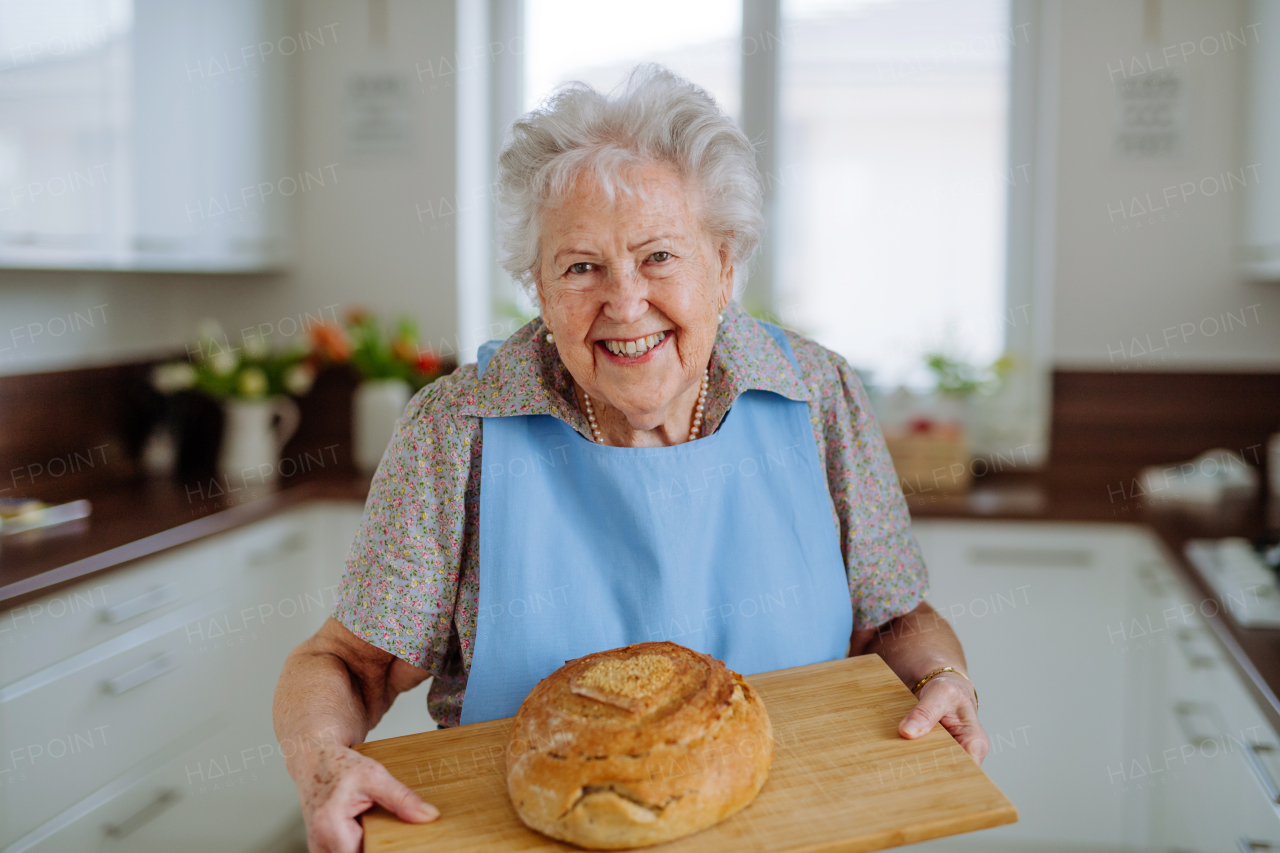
(252, 384)
(932, 452)
(956, 382)
(392, 367)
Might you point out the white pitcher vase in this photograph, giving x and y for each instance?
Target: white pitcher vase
(253, 434)
(378, 404)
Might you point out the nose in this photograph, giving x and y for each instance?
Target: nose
(627, 297)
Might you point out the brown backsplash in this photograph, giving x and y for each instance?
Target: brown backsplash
(66, 433)
(1107, 426)
(69, 433)
(71, 429)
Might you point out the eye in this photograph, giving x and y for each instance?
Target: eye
(580, 268)
(659, 257)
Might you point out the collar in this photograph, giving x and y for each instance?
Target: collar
(526, 377)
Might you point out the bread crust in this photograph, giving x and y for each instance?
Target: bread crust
(636, 746)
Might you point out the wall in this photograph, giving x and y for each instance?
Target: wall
(1124, 279)
(359, 241)
(365, 240)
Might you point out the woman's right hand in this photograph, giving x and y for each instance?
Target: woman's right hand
(336, 784)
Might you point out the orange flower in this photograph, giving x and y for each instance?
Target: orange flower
(330, 342)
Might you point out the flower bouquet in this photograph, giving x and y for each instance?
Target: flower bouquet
(392, 366)
(253, 385)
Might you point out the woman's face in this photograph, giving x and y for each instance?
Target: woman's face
(631, 290)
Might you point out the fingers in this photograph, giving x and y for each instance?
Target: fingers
(944, 699)
(929, 710)
(972, 738)
(398, 798)
(327, 834)
(339, 787)
(949, 701)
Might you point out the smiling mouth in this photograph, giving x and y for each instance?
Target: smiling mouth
(636, 347)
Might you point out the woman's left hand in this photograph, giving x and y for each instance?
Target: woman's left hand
(950, 700)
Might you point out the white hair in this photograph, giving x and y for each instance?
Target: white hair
(655, 117)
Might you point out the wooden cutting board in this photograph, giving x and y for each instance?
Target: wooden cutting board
(842, 778)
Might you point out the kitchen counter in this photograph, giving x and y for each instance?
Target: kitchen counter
(147, 518)
(143, 519)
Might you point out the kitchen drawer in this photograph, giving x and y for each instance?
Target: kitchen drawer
(281, 538)
(163, 804)
(1207, 799)
(42, 632)
(1253, 738)
(277, 600)
(66, 733)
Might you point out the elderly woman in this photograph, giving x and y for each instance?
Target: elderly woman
(644, 461)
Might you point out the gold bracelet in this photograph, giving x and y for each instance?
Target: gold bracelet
(922, 682)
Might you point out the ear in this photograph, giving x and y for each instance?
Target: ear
(726, 274)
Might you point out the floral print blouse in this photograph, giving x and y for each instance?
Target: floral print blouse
(412, 584)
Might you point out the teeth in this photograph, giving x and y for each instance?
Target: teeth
(639, 346)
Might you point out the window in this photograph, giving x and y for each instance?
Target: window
(599, 43)
(892, 180)
(904, 151)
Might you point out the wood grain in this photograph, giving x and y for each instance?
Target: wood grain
(842, 778)
(1108, 425)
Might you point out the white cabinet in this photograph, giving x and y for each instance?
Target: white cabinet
(1117, 721)
(1032, 604)
(1215, 748)
(153, 731)
(147, 135)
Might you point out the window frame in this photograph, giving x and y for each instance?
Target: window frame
(1015, 421)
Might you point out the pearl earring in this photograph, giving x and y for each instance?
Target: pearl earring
(721, 318)
(551, 339)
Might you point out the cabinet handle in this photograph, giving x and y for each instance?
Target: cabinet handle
(1252, 845)
(295, 541)
(1152, 581)
(1183, 712)
(1253, 755)
(157, 597)
(1195, 659)
(164, 801)
(153, 668)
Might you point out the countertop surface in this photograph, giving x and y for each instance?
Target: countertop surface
(134, 521)
(137, 520)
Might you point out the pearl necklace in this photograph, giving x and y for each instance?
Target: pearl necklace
(695, 429)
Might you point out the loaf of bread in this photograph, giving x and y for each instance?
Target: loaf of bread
(637, 746)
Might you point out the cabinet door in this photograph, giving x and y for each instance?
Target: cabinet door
(39, 633)
(1214, 780)
(1205, 731)
(1253, 739)
(149, 135)
(210, 166)
(1197, 777)
(196, 796)
(1031, 604)
(68, 737)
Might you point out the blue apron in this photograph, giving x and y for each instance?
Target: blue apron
(725, 545)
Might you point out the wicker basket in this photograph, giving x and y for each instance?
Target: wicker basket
(931, 457)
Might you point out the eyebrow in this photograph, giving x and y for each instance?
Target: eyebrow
(665, 235)
(575, 251)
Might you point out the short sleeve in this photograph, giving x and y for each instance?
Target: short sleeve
(887, 574)
(400, 588)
